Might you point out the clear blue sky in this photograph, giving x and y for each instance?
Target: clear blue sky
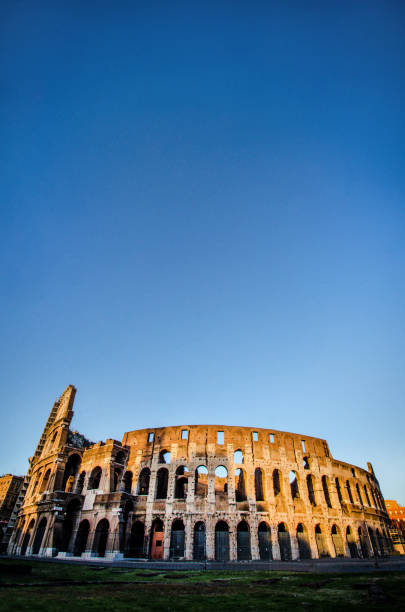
(203, 220)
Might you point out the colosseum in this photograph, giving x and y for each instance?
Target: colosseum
(194, 492)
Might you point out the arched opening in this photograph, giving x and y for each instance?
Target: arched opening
(294, 485)
(276, 483)
(71, 470)
(101, 537)
(243, 541)
(127, 511)
(325, 487)
(143, 482)
(349, 491)
(221, 541)
(304, 548)
(359, 495)
(116, 479)
(127, 481)
(39, 536)
(120, 457)
(27, 537)
(373, 542)
(354, 553)
(199, 551)
(181, 483)
(265, 550)
(71, 515)
(164, 456)
(80, 483)
(337, 541)
(240, 487)
(45, 481)
(339, 490)
(284, 542)
(259, 490)
(157, 539)
(238, 456)
(380, 542)
(136, 541)
(81, 538)
(221, 480)
(363, 544)
(311, 490)
(177, 540)
(367, 496)
(306, 463)
(321, 542)
(162, 478)
(95, 477)
(201, 481)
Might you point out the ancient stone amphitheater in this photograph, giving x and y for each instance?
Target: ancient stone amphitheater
(194, 492)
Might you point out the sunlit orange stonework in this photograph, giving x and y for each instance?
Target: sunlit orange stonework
(194, 492)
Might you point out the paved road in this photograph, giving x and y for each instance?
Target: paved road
(390, 564)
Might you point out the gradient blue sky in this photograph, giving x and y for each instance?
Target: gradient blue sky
(203, 220)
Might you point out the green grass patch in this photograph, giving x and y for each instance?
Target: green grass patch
(54, 586)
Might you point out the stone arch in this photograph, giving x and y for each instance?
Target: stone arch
(80, 483)
(349, 491)
(359, 497)
(240, 485)
(277, 480)
(27, 537)
(157, 539)
(363, 543)
(325, 487)
(101, 537)
(265, 549)
(294, 488)
(45, 481)
(177, 539)
(367, 495)
(243, 541)
(136, 540)
(238, 456)
(162, 479)
(39, 534)
(339, 490)
(143, 481)
(95, 478)
(120, 457)
(373, 541)
(321, 542)
(181, 482)
(71, 470)
(380, 541)
(354, 553)
(164, 456)
(116, 479)
(284, 542)
(304, 548)
(221, 480)
(337, 541)
(127, 481)
(221, 541)
(201, 481)
(199, 541)
(311, 490)
(259, 488)
(71, 515)
(81, 538)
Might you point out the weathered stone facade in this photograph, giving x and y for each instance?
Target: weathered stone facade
(195, 492)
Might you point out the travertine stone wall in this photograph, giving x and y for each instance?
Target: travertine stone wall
(65, 498)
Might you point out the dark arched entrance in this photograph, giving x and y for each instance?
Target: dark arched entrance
(177, 540)
(304, 548)
(243, 542)
(221, 541)
(27, 537)
(100, 537)
(81, 538)
(199, 541)
(265, 550)
(72, 511)
(284, 542)
(157, 540)
(354, 553)
(338, 542)
(38, 536)
(136, 540)
(363, 544)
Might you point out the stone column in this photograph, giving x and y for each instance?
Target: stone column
(188, 527)
(274, 541)
(233, 552)
(295, 553)
(210, 538)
